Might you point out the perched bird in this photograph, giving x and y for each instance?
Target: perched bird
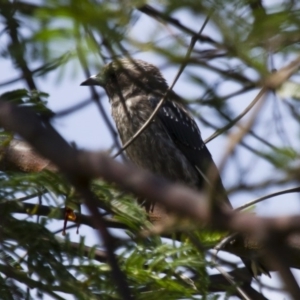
(171, 146)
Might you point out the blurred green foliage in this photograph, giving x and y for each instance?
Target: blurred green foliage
(40, 37)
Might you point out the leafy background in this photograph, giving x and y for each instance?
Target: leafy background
(49, 47)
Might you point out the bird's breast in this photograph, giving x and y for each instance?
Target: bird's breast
(154, 149)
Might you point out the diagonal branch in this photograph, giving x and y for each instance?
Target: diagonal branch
(272, 82)
(238, 118)
(17, 48)
(82, 166)
(157, 15)
(38, 133)
(260, 199)
(96, 99)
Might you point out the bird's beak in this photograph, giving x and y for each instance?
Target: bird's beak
(93, 80)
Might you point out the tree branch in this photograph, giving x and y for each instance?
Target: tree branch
(82, 166)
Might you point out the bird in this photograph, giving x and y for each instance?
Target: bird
(172, 145)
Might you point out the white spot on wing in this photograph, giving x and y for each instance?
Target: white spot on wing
(179, 112)
(165, 111)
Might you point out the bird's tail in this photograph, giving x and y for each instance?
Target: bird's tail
(255, 267)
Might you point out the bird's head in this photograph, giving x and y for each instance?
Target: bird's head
(127, 78)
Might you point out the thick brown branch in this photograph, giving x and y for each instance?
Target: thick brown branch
(81, 166)
(51, 145)
(19, 156)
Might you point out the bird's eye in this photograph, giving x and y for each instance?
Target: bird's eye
(111, 76)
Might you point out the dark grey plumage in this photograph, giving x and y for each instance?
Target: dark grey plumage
(171, 146)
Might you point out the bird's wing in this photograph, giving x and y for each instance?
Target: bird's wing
(183, 130)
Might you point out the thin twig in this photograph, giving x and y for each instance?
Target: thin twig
(198, 245)
(72, 109)
(227, 239)
(17, 49)
(251, 132)
(287, 191)
(32, 209)
(161, 17)
(239, 117)
(278, 257)
(231, 281)
(96, 99)
(223, 242)
(236, 138)
(272, 82)
(242, 143)
(108, 240)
